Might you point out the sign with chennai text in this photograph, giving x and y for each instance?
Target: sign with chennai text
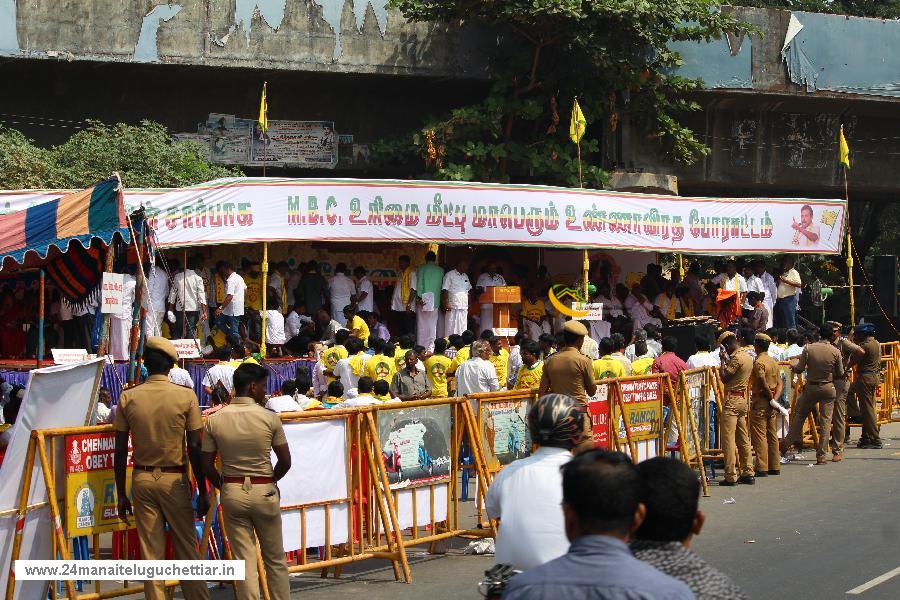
(236, 210)
(598, 409)
(91, 500)
(642, 401)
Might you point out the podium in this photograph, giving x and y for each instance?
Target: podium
(502, 297)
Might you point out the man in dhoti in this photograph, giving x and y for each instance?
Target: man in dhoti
(490, 278)
(732, 291)
(455, 299)
(120, 322)
(429, 280)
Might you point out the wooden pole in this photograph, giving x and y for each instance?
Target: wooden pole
(587, 267)
(380, 502)
(24, 492)
(137, 238)
(50, 480)
(41, 308)
(265, 283)
(184, 298)
(392, 509)
(849, 253)
(621, 404)
(580, 180)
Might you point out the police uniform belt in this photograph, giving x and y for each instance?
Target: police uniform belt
(253, 480)
(176, 469)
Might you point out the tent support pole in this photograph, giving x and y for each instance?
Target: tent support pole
(41, 308)
(265, 283)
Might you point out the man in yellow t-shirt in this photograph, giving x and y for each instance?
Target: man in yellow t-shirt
(334, 354)
(533, 316)
(253, 295)
(381, 366)
(356, 324)
(436, 367)
(606, 367)
(463, 353)
(500, 360)
(529, 376)
(404, 344)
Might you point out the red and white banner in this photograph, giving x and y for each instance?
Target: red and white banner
(239, 210)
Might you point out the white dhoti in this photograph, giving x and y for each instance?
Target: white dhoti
(153, 322)
(337, 311)
(426, 327)
(770, 306)
(487, 318)
(119, 336)
(600, 330)
(534, 330)
(455, 321)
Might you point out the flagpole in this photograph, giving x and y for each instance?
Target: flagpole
(849, 252)
(264, 112)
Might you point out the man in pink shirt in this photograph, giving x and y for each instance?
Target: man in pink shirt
(668, 361)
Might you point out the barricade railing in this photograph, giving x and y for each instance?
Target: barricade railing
(347, 500)
(693, 393)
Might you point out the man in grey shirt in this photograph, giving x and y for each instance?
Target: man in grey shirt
(601, 510)
(410, 382)
(671, 492)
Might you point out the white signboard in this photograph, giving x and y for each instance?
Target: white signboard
(187, 348)
(235, 210)
(66, 356)
(595, 310)
(113, 287)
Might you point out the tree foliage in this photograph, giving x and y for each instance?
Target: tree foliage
(885, 9)
(144, 156)
(612, 54)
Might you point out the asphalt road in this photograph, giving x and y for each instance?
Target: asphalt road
(813, 532)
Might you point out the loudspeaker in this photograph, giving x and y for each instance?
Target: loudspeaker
(886, 283)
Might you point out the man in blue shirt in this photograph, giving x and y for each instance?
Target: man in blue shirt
(601, 509)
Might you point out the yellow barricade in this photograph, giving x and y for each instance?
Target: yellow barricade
(377, 501)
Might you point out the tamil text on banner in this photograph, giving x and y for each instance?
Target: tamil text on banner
(642, 402)
(91, 500)
(187, 348)
(112, 292)
(598, 409)
(504, 431)
(68, 356)
(240, 209)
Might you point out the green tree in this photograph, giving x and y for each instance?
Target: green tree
(612, 54)
(144, 156)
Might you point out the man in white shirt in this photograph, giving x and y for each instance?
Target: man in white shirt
(769, 288)
(668, 303)
(350, 369)
(181, 377)
(232, 309)
(639, 308)
(533, 532)
(786, 304)
(120, 322)
(341, 289)
(188, 294)
(278, 281)
(293, 323)
(363, 396)
(490, 278)
(754, 284)
(329, 326)
(703, 357)
(477, 374)
(365, 292)
(285, 402)
(84, 315)
(612, 309)
(455, 298)
(640, 335)
(223, 373)
(590, 348)
(154, 300)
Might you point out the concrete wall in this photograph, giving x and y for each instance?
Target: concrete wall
(353, 36)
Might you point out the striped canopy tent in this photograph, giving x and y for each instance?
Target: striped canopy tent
(67, 237)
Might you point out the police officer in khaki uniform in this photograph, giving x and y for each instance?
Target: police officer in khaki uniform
(867, 378)
(850, 354)
(244, 434)
(158, 414)
(822, 363)
(765, 385)
(571, 373)
(737, 366)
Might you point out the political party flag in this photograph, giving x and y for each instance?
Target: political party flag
(845, 150)
(829, 217)
(263, 112)
(578, 124)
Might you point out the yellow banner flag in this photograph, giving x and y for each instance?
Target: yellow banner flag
(263, 112)
(578, 124)
(829, 217)
(845, 149)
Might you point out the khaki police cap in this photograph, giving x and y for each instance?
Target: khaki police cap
(575, 327)
(834, 324)
(725, 335)
(762, 337)
(163, 345)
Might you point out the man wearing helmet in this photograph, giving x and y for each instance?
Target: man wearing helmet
(533, 532)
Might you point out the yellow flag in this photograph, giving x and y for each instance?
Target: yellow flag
(577, 124)
(845, 149)
(263, 112)
(829, 217)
